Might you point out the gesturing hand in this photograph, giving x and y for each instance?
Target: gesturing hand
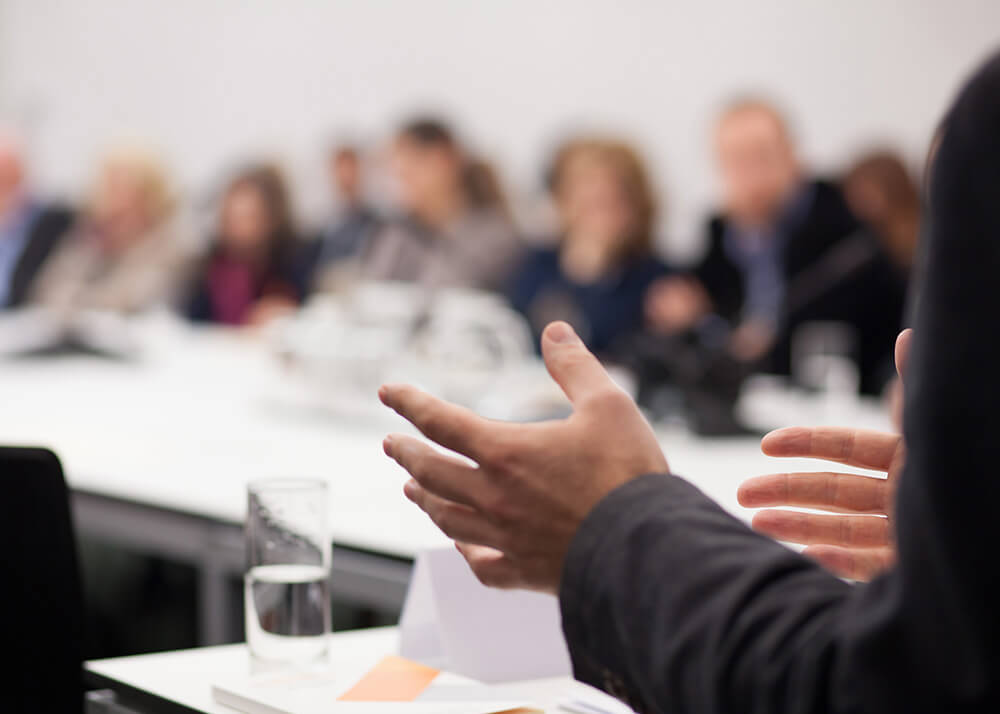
(855, 546)
(859, 544)
(515, 509)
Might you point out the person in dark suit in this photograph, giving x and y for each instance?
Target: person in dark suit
(672, 604)
(344, 238)
(29, 229)
(784, 251)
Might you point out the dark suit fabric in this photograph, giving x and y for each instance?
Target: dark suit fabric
(833, 271)
(44, 234)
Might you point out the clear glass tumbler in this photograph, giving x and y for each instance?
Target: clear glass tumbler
(823, 358)
(287, 584)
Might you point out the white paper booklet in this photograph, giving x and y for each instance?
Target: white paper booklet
(318, 693)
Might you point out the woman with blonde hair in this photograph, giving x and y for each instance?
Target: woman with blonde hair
(122, 255)
(602, 262)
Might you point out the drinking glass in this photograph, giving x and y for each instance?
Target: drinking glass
(823, 361)
(287, 584)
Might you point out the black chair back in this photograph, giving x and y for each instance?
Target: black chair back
(41, 600)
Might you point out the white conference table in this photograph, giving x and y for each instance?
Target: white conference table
(158, 453)
(182, 681)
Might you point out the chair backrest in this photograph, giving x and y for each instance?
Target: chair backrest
(41, 598)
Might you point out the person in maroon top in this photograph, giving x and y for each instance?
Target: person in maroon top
(248, 277)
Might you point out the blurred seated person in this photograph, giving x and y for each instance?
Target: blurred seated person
(601, 264)
(345, 236)
(29, 228)
(249, 277)
(883, 194)
(784, 251)
(456, 231)
(123, 254)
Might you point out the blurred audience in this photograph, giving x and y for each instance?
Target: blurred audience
(249, 277)
(123, 254)
(883, 193)
(784, 250)
(602, 263)
(456, 231)
(29, 228)
(346, 234)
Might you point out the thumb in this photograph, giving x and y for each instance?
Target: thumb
(571, 364)
(903, 351)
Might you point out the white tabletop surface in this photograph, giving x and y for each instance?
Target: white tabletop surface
(207, 411)
(189, 426)
(186, 676)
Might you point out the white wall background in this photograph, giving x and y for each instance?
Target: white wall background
(212, 81)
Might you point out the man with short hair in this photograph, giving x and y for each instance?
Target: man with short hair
(783, 250)
(346, 234)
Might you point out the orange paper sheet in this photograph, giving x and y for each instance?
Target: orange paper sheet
(394, 679)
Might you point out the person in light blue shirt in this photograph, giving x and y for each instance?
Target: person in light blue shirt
(14, 233)
(28, 230)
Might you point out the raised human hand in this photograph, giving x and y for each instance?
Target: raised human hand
(515, 508)
(855, 538)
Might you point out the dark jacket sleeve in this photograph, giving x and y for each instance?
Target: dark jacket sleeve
(678, 607)
(197, 305)
(306, 265)
(44, 236)
(720, 277)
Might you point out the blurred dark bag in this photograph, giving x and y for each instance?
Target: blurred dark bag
(681, 375)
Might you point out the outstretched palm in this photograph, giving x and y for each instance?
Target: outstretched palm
(857, 542)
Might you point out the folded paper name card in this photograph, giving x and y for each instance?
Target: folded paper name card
(451, 621)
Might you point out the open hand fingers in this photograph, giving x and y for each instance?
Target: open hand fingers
(842, 493)
(813, 529)
(455, 520)
(853, 563)
(439, 473)
(854, 447)
(574, 368)
(452, 426)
